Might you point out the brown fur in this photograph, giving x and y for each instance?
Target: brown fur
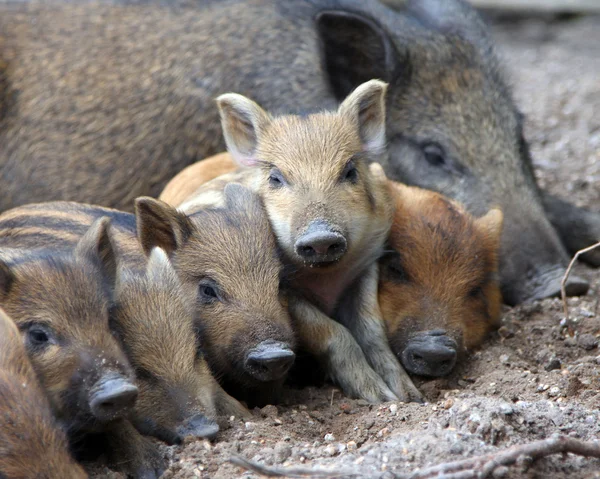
(155, 320)
(232, 250)
(31, 444)
(102, 103)
(299, 166)
(205, 246)
(66, 296)
(440, 271)
(444, 249)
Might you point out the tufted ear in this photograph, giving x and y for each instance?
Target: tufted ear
(355, 49)
(242, 121)
(160, 225)
(491, 225)
(97, 246)
(365, 106)
(6, 278)
(159, 267)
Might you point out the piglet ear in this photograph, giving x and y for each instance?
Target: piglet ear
(160, 225)
(159, 267)
(365, 106)
(491, 225)
(97, 246)
(242, 121)
(6, 278)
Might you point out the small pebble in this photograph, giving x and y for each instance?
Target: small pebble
(500, 472)
(351, 446)
(554, 391)
(393, 409)
(250, 426)
(448, 403)
(329, 437)
(553, 363)
(587, 341)
(331, 450)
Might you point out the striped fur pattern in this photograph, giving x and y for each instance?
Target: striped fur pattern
(31, 443)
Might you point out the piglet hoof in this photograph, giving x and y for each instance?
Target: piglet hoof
(407, 392)
(149, 464)
(368, 385)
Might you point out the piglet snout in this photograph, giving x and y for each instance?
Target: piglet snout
(270, 360)
(430, 354)
(112, 398)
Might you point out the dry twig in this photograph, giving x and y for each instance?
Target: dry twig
(292, 472)
(482, 467)
(563, 292)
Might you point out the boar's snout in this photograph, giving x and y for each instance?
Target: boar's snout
(320, 244)
(432, 354)
(198, 426)
(270, 360)
(112, 398)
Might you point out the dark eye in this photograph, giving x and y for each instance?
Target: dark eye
(350, 173)
(476, 292)
(38, 337)
(434, 154)
(397, 272)
(208, 293)
(276, 179)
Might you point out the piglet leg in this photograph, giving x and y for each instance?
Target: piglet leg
(342, 357)
(362, 316)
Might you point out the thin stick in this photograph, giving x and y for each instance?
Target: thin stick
(332, 393)
(482, 467)
(563, 292)
(295, 472)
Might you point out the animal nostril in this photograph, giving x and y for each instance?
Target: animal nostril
(306, 250)
(269, 361)
(112, 399)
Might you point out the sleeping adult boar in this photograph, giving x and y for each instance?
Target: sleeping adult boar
(103, 103)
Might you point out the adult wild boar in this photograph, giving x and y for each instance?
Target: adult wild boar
(103, 103)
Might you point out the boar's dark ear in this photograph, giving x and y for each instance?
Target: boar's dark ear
(6, 278)
(355, 49)
(159, 224)
(97, 246)
(238, 197)
(242, 121)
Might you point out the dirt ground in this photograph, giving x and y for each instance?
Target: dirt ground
(528, 381)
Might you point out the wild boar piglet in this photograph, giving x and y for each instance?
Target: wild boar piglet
(438, 287)
(60, 299)
(31, 443)
(328, 204)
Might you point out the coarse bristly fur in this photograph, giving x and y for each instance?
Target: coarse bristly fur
(319, 168)
(154, 318)
(229, 251)
(31, 443)
(60, 299)
(229, 248)
(129, 101)
(440, 271)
